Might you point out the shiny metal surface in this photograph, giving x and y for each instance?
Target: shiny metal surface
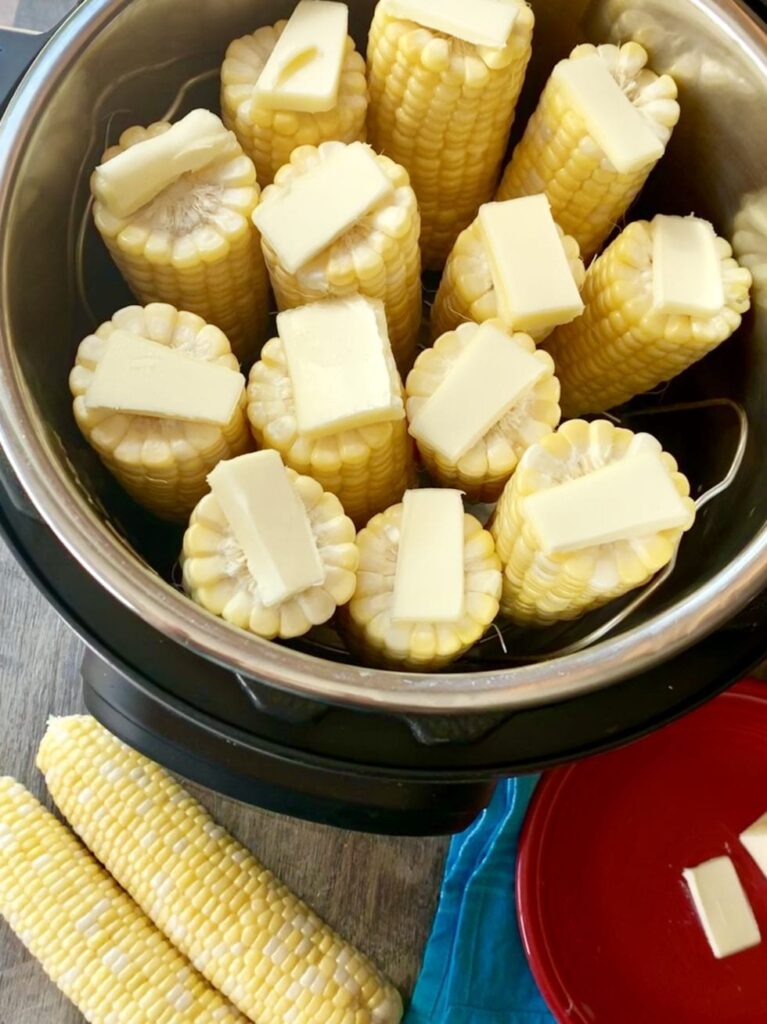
(117, 62)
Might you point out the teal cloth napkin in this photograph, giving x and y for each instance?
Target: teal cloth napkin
(474, 969)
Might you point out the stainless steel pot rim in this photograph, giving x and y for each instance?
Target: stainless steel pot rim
(86, 536)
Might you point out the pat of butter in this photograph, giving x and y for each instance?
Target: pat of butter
(336, 356)
(486, 380)
(429, 578)
(634, 497)
(134, 177)
(533, 282)
(304, 69)
(270, 523)
(143, 378)
(481, 22)
(723, 907)
(686, 269)
(321, 205)
(611, 118)
(755, 841)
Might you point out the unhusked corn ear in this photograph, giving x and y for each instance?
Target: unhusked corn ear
(366, 622)
(467, 292)
(195, 245)
(378, 257)
(483, 471)
(270, 136)
(245, 931)
(90, 938)
(162, 463)
(621, 347)
(540, 588)
(558, 156)
(443, 108)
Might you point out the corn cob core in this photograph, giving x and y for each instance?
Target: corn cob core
(245, 931)
(556, 155)
(466, 291)
(366, 622)
(216, 573)
(270, 136)
(195, 245)
(443, 108)
(620, 347)
(539, 589)
(378, 257)
(91, 939)
(161, 463)
(482, 472)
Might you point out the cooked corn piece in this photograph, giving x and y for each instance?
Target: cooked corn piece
(378, 257)
(558, 156)
(270, 136)
(467, 292)
(245, 931)
(621, 346)
(540, 588)
(367, 625)
(443, 108)
(194, 245)
(162, 463)
(90, 938)
(483, 470)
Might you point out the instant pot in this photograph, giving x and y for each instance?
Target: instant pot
(298, 727)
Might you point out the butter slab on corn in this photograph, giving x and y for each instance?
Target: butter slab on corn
(270, 523)
(482, 22)
(722, 907)
(686, 267)
(304, 70)
(322, 205)
(755, 841)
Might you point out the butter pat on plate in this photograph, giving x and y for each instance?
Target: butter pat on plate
(755, 841)
(722, 907)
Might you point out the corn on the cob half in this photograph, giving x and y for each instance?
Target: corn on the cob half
(91, 939)
(443, 108)
(540, 588)
(622, 346)
(270, 136)
(558, 156)
(378, 257)
(162, 463)
(194, 244)
(482, 471)
(245, 931)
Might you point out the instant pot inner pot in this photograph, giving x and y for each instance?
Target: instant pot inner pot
(158, 60)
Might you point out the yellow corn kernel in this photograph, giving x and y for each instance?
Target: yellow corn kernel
(245, 931)
(162, 463)
(556, 155)
(540, 588)
(483, 471)
(91, 939)
(195, 245)
(378, 257)
(621, 347)
(466, 291)
(270, 136)
(443, 108)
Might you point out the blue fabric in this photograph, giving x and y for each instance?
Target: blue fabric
(474, 969)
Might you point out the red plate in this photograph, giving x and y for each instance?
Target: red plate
(608, 924)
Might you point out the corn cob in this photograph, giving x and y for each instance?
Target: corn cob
(558, 156)
(161, 463)
(443, 108)
(91, 939)
(245, 931)
(378, 258)
(483, 470)
(270, 136)
(467, 292)
(541, 588)
(367, 625)
(621, 346)
(194, 245)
